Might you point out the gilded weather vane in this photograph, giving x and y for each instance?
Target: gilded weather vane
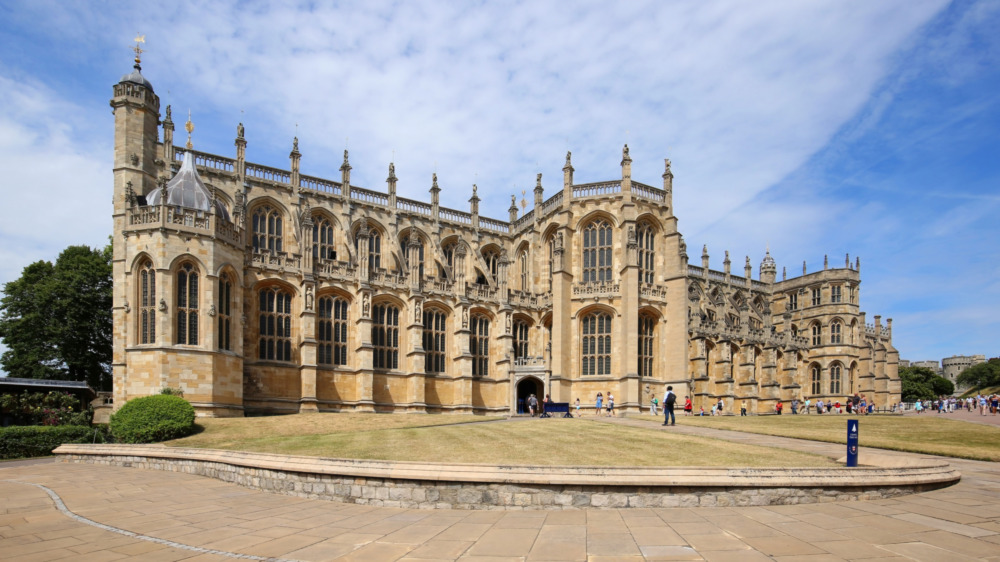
(138, 50)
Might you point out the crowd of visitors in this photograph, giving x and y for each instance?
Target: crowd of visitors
(986, 405)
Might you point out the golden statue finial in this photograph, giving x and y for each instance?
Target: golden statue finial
(524, 202)
(189, 127)
(138, 50)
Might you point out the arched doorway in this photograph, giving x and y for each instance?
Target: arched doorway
(525, 388)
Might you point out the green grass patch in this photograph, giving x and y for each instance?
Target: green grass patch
(918, 434)
(438, 438)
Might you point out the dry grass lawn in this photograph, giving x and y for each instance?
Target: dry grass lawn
(454, 439)
(919, 434)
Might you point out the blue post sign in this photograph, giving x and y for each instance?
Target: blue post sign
(852, 442)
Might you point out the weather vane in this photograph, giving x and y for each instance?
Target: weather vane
(138, 50)
(189, 126)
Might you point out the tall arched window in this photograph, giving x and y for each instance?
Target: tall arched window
(405, 244)
(551, 245)
(434, 340)
(385, 336)
(266, 229)
(275, 314)
(374, 249)
(324, 248)
(187, 305)
(520, 339)
(597, 252)
(492, 258)
(646, 325)
(817, 380)
(835, 379)
(596, 344)
(645, 234)
(331, 331)
(479, 342)
(147, 303)
(224, 314)
(835, 332)
(522, 266)
(817, 334)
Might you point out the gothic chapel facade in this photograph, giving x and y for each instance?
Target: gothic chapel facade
(260, 290)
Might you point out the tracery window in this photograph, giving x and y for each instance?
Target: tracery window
(551, 244)
(324, 247)
(434, 340)
(520, 339)
(646, 325)
(405, 243)
(187, 305)
(597, 252)
(266, 229)
(816, 296)
(492, 258)
(835, 379)
(331, 331)
(374, 249)
(224, 313)
(596, 344)
(817, 380)
(385, 336)
(817, 332)
(479, 342)
(793, 301)
(835, 332)
(645, 234)
(835, 293)
(275, 314)
(522, 266)
(147, 303)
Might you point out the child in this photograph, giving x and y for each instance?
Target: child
(577, 407)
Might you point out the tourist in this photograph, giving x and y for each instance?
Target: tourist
(982, 405)
(808, 405)
(721, 406)
(795, 406)
(778, 407)
(836, 407)
(545, 403)
(598, 404)
(669, 399)
(577, 407)
(994, 403)
(919, 406)
(688, 408)
(819, 406)
(654, 403)
(611, 404)
(743, 408)
(532, 404)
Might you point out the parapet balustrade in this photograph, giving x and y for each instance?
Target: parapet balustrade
(341, 270)
(648, 192)
(651, 291)
(275, 261)
(207, 160)
(597, 289)
(199, 223)
(598, 188)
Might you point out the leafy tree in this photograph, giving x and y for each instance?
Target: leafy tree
(983, 375)
(56, 319)
(921, 383)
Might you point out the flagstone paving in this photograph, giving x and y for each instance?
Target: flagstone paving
(52, 510)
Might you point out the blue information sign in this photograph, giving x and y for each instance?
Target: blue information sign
(852, 442)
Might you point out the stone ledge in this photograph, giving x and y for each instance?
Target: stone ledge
(471, 486)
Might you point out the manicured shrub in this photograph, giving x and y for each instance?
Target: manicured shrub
(152, 418)
(19, 442)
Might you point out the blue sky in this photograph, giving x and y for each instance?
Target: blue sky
(813, 128)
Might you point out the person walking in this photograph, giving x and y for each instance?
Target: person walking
(743, 409)
(611, 405)
(532, 404)
(598, 404)
(654, 402)
(687, 406)
(669, 399)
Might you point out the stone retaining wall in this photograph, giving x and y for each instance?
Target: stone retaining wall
(392, 484)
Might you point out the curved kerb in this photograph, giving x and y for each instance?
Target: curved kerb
(473, 486)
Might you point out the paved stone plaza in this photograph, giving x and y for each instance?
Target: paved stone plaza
(54, 510)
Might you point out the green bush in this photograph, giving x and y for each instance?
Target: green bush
(53, 408)
(38, 441)
(153, 418)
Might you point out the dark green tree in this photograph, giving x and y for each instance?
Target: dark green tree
(921, 383)
(983, 375)
(56, 319)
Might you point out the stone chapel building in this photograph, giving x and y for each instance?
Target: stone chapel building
(259, 290)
